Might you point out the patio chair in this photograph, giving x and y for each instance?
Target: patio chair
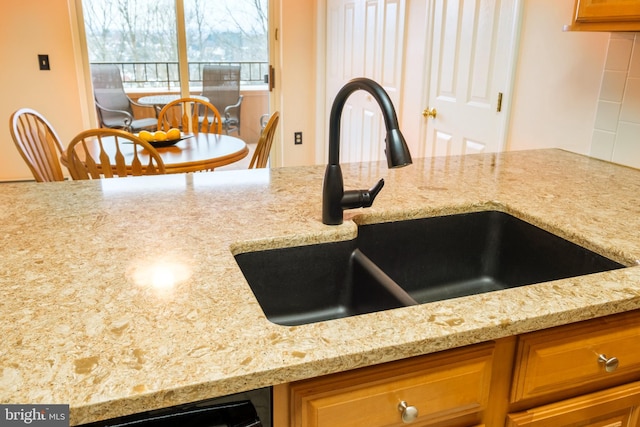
(190, 115)
(261, 155)
(110, 153)
(38, 144)
(113, 106)
(221, 84)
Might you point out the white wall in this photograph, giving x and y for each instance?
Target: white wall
(616, 133)
(297, 78)
(29, 28)
(557, 80)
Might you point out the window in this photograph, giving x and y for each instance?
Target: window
(140, 36)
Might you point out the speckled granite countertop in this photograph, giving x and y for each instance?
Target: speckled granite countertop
(123, 295)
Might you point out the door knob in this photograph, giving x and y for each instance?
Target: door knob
(429, 112)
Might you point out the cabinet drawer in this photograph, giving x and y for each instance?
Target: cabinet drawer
(448, 388)
(614, 407)
(564, 361)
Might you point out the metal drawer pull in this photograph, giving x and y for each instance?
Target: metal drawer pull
(409, 413)
(610, 364)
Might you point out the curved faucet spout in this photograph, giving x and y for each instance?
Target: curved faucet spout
(400, 151)
(334, 198)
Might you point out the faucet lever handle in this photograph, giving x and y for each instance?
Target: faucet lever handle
(373, 192)
(361, 198)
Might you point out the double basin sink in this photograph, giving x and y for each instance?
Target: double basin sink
(403, 263)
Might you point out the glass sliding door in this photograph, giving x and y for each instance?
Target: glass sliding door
(137, 35)
(227, 48)
(164, 46)
(227, 32)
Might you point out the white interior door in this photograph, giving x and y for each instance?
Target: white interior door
(364, 39)
(456, 57)
(470, 76)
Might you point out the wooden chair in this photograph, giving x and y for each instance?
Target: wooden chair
(38, 144)
(108, 153)
(261, 155)
(190, 115)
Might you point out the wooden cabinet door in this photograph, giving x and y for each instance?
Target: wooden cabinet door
(605, 15)
(616, 407)
(448, 389)
(607, 10)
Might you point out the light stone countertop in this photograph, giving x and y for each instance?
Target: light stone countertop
(123, 295)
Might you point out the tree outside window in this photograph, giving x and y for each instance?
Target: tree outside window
(140, 36)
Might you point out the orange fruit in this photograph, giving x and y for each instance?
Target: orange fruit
(145, 135)
(160, 135)
(173, 133)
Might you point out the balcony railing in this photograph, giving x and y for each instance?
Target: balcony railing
(166, 75)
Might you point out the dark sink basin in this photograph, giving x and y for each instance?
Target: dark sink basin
(395, 264)
(309, 284)
(450, 256)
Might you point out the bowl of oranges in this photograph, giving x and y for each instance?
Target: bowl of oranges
(161, 138)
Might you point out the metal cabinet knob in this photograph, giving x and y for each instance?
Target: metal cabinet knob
(429, 112)
(409, 413)
(610, 363)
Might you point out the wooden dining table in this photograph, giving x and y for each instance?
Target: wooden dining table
(194, 152)
(202, 151)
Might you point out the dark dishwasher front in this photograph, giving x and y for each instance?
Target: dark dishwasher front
(220, 412)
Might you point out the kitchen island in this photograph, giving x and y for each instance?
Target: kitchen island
(123, 295)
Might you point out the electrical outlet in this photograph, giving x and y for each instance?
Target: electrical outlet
(297, 137)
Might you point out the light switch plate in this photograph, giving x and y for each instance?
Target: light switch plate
(43, 60)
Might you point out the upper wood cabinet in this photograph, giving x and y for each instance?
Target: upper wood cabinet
(605, 15)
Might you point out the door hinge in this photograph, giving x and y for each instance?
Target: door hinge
(499, 108)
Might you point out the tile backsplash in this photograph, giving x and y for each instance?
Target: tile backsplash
(616, 134)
